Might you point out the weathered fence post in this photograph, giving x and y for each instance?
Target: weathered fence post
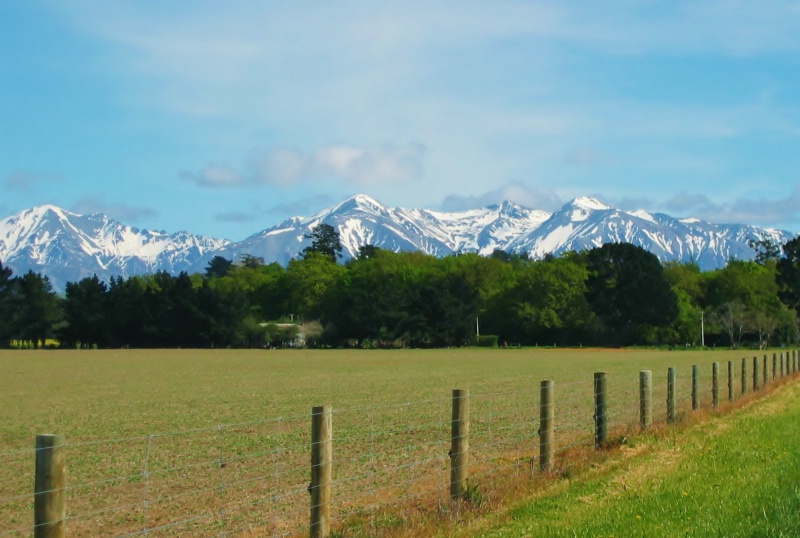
(695, 387)
(600, 409)
(756, 376)
(671, 381)
(459, 444)
(547, 417)
(321, 470)
(765, 370)
(744, 377)
(715, 384)
(646, 398)
(49, 492)
(774, 366)
(730, 381)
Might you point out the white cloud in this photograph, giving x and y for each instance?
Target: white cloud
(353, 165)
(519, 193)
(122, 212)
(216, 176)
(25, 181)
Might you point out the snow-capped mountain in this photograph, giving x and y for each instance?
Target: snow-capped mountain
(67, 247)
(586, 223)
(583, 223)
(361, 220)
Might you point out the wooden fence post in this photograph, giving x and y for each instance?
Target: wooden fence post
(459, 444)
(321, 470)
(744, 377)
(695, 387)
(547, 416)
(646, 398)
(49, 492)
(783, 365)
(730, 381)
(774, 366)
(715, 384)
(600, 409)
(671, 381)
(756, 376)
(765, 370)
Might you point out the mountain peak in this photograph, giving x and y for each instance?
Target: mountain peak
(592, 204)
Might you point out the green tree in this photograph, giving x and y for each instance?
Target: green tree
(788, 274)
(689, 286)
(86, 314)
(38, 309)
(218, 267)
(324, 241)
(308, 283)
(766, 250)
(627, 289)
(8, 300)
(549, 301)
(746, 294)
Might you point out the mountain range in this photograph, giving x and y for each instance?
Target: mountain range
(67, 247)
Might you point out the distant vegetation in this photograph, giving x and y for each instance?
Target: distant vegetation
(614, 295)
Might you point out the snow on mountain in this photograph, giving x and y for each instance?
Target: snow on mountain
(67, 247)
(585, 223)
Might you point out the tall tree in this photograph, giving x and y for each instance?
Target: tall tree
(788, 274)
(38, 309)
(7, 305)
(86, 314)
(628, 290)
(218, 267)
(549, 301)
(324, 241)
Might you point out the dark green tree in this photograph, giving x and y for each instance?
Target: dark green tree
(38, 310)
(86, 314)
(250, 261)
(766, 250)
(324, 241)
(8, 300)
(627, 289)
(218, 267)
(788, 274)
(549, 301)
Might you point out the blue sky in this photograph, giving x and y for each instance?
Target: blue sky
(224, 118)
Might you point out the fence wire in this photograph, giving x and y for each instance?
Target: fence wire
(252, 478)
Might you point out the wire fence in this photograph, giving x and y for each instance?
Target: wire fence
(252, 478)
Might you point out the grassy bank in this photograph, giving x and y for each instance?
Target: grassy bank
(732, 475)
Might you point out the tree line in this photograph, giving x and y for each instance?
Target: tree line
(614, 295)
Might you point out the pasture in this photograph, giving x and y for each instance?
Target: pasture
(169, 442)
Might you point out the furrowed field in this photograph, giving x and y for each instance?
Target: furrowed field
(171, 442)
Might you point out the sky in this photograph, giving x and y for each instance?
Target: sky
(225, 118)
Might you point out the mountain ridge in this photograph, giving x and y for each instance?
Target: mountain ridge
(68, 246)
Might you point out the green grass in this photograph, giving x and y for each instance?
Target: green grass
(217, 430)
(732, 476)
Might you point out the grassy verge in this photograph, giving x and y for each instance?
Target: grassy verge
(732, 475)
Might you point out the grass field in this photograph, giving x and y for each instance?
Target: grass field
(734, 475)
(169, 442)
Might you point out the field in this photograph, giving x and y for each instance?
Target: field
(170, 442)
